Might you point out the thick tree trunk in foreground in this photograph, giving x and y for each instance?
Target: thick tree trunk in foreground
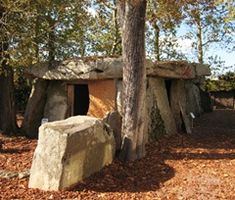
(134, 77)
(7, 105)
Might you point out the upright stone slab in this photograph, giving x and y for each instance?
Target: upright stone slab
(56, 104)
(69, 151)
(178, 105)
(161, 101)
(193, 102)
(35, 108)
(114, 120)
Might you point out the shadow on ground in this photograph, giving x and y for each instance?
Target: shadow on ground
(14, 151)
(212, 139)
(146, 174)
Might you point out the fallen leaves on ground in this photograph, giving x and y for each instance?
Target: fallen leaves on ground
(197, 166)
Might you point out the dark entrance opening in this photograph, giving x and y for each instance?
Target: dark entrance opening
(168, 83)
(81, 99)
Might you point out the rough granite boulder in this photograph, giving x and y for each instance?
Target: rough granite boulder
(70, 150)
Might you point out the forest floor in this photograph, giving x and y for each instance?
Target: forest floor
(198, 166)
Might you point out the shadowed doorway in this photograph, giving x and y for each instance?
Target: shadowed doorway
(168, 84)
(81, 99)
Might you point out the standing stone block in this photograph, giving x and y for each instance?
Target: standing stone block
(69, 151)
(56, 105)
(161, 102)
(114, 120)
(178, 105)
(35, 108)
(193, 103)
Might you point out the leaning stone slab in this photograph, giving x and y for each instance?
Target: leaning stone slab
(69, 151)
(158, 88)
(159, 120)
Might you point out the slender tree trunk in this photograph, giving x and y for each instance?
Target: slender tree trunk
(82, 50)
(134, 78)
(199, 41)
(117, 39)
(36, 45)
(7, 102)
(156, 42)
(51, 43)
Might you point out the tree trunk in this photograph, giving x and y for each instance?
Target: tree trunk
(51, 43)
(36, 40)
(199, 41)
(134, 78)
(7, 103)
(117, 39)
(156, 42)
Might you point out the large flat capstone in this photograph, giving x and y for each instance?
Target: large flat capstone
(111, 68)
(70, 150)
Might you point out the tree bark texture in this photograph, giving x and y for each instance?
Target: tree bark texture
(7, 103)
(199, 41)
(134, 80)
(36, 40)
(51, 42)
(117, 39)
(157, 42)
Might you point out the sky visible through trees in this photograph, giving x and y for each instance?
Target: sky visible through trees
(226, 57)
(36, 28)
(178, 42)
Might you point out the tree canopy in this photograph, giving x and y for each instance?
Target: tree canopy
(41, 30)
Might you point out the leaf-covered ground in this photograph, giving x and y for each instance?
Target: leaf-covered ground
(199, 166)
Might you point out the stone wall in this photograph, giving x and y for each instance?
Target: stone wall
(165, 106)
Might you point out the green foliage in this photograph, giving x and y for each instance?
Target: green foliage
(163, 18)
(22, 89)
(225, 82)
(104, 32)
(230, 6)
(208, 24)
